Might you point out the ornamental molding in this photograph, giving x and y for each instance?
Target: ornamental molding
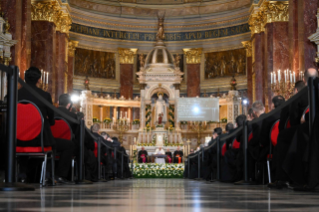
(268, 12)
(127, 55)
(63, 23)
(72, 46)
(248, 46)
(193, 56)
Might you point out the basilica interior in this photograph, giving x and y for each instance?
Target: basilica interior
(126, 64)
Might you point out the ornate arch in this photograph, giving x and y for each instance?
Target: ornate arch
(159, 88)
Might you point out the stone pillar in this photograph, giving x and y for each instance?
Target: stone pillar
(193, 60)
(248, 47)
(72, 47)
(257, 30)
(18, 14)
(126, 71)
(293, 37)
(307, 25)
(276, 43)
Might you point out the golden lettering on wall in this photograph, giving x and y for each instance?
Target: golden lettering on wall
(45, 11)
(127, 55)
(193, 56)
(247, 45)
(227, 63)
(94, 64)
(72, 46)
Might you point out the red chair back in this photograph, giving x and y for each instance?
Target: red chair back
(61, 129)
(29, 121)
(224, 149)
(236, 144)
(95, 149)
(274, 132)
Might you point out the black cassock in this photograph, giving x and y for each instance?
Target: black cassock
(140, 153)
(178, 154)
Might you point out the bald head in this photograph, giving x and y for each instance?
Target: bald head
(311, 72)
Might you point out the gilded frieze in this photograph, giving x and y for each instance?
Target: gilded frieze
(45, 11)
(193, 56)
(227, 63)
(275, 11)
(71, 47)
(63, 23)
(127, 55)
(94, 64)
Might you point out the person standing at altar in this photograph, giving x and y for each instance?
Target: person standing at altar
(142, 155)
(178, 155)
(168, 153)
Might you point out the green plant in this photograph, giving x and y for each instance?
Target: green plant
(136, 121)
(107, 120)
(224, 120)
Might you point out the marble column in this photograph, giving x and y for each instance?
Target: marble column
(258, 67)
(307, 25)
(293, 37)
(43, 54)
(18, 14)
(276, 54)
(248, 47)
(193, 61)
(61, 63)
(72, 47)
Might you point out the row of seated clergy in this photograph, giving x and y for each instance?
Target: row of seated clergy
(177, 157)
(293, 149)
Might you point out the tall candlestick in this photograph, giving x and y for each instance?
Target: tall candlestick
(43, 78)
(271, 78)
(42, 75)
(294, 77)
(275, 78)
(47, 78)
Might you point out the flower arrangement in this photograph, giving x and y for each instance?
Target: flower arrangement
(107, 120)
(154, 170)
(166, 141)
(96, 120)
(171, 128)
(159, 125)
(147, 128)
(224, 120)
(136, 121)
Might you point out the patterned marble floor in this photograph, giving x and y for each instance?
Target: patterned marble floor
(158, 195)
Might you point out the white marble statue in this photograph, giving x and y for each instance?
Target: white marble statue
(160, 110)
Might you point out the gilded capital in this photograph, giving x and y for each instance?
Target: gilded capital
(256, 23)
(72, 46)
(127, 55)
(248, 46)
(193, 56)
(45, 11)
(63, 23)
(275, 11)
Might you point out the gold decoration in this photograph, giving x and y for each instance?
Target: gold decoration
(247, 45)
(72, 46)
(256, 23)
(127, 55)
(275, 11)
(160, 94)
(63, 23)
(6, 27)
(45, 11)
(193, 56)
(7, 60)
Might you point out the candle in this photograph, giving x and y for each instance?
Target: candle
(47, 77)
(278, 75)
(271, 78)
(43, 78)
(285, 74)
(275, 79)
(290, 77)
(294, 77)
(42, 75)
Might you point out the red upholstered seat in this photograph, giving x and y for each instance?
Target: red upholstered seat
(224, 149)
(236, 144)
(29, 122)
(61, 129)
(32, 149)
(274, 133)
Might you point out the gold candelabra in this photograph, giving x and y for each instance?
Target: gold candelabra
(198, 127)
(121, 127)
(44, 84)
(283, 83)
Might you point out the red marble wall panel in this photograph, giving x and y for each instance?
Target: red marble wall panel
(61, 65)
(70, 74)
(25, 36)
(258, 66)
(193, 80)
(249, 79)
(293, 36)
(43, 54)
(307, 25)
(276, 54)
(126, 80)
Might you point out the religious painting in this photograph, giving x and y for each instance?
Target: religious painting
(225, 64)
(94, 64)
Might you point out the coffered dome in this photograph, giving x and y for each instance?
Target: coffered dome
(159, 56)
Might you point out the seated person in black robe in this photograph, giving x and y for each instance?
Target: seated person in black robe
(63, 147)
(168, 153)
(186, 164)
(178, 155)
(142, 155)
(107, 158)
(292, 142)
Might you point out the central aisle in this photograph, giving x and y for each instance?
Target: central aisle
(158, 195)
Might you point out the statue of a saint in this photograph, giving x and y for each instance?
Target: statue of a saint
(142, 60)
(177, 60)
(160, 33)
(160, 110)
